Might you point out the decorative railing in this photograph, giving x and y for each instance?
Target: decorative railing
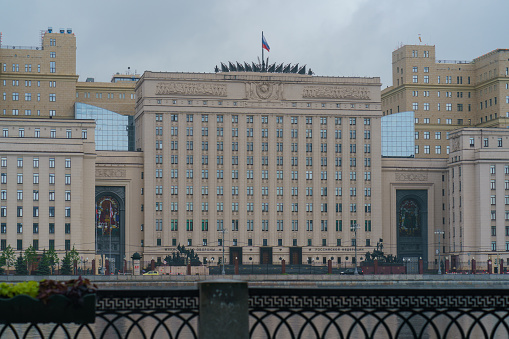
(287, 313)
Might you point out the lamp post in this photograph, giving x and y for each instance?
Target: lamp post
(354, 228)
(439, 232)
(223, 230)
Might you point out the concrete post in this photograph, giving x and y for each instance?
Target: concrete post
(473, 266)
(136, 268)
(283, 266)
(223, 310)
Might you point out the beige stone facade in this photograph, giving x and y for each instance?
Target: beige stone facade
(47, 179)
(285, 163)
(447, 94)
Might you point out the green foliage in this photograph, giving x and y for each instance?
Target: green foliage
(53, 258)
(30, 288)
(30, 257)
(74, 255)
(8, 257)
(21, 265)
(44, 265)
(183, 257)
(66, 264)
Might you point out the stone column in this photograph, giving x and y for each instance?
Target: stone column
(223, 310)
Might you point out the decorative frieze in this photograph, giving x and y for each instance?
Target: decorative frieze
(189, 88)
(411, 176)
(335, 92)
(264, 91)
(110, 173)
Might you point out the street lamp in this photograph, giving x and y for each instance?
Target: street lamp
(354, 228)
(439, 232)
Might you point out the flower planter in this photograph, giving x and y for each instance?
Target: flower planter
(59, 309)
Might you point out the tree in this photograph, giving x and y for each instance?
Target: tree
(66, 264)
(74, 256)
(8, 257)
(53, 259)
(44, 265)
(21, 265)
(30, 257)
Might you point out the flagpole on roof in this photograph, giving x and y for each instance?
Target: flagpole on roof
(262, 50)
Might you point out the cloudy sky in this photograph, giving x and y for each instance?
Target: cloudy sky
(333, 37)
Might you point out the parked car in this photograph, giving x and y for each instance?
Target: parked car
(351, 271)
(151, 273)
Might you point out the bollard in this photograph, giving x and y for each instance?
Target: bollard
(223, 310)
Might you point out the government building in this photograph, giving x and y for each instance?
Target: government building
(264, 162)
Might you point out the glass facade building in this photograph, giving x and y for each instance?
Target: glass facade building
(113, 131)
(398, 135)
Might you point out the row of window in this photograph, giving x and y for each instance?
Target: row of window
(35, 228)
(19, 213)
(35, 244)
(264, 119)
(19, 178)
(28, 83)
(19, 195)
(37, 131)
(448, 107)
(28, 96)
(28, 67)
(98, 95)
(426, 78)
(294, 133)
(174, 225)
(294, 175)
(35, 162)
(338, 191)
(189, 206)
(438, 149)
(249, 160)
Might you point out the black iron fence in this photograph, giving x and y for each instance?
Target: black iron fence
(289, 313)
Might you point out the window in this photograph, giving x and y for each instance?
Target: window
(52, 67)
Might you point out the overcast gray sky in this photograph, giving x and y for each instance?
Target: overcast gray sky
(333, 37)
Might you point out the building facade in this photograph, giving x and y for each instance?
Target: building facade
(265, 166)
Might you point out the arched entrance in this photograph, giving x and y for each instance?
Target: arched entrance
(109, 227)
(412, 227)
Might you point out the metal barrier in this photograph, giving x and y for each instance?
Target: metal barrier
(288, 313)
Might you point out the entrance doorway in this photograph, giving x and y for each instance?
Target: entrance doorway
(265, 255)
(295, 255)
(235, 254)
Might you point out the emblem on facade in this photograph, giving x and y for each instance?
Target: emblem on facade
(187, 88)
(335, 92)
(264, 91)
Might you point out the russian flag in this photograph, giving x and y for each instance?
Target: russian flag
(265, 45)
